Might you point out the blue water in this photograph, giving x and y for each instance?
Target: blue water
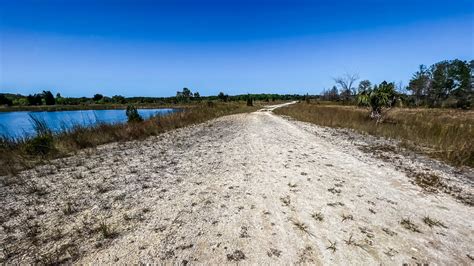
(18, 124)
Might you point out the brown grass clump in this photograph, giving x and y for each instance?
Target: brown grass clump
(18, 154)
(444, 134)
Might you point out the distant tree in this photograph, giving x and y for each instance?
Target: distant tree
(364, 85)
(187, 93)
(331, 95)
(420, 83)
(48, 98)
(307, 99)
(118, 99)
(35, 99)
(5, 101)
(197, 95)
(97, 97)
(58, 95)
(382, 96)
(346, 84)
(132, 114)
(223, 97)
(249, 100)
(184, 95)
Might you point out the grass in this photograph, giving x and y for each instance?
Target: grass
(444, 134)
(433, 222)
(318, 216)
(409, 225)
(22, 153)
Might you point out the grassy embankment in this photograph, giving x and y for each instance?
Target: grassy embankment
(17, 154)
(445, 134)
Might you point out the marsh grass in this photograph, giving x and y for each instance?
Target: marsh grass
(25, 152)
(445, 134)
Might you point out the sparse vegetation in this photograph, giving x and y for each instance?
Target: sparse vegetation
(17, 154)
(332, 246)
(106, 230)
(318, 216)
(409, 225)
(440, 133)
(433, 222)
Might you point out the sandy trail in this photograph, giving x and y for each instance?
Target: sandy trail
(249, 188)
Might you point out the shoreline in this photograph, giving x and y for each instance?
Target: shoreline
(55, 108)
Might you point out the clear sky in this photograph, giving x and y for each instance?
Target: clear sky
(154, 48)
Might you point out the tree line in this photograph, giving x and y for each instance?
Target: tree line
(448, 83)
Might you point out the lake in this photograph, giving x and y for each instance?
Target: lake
(17, 124)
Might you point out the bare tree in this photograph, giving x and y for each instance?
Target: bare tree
(346, 83)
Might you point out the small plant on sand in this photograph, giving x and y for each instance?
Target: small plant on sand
(286, 200)
(409, 225)
(106, 230)
(132, 114)
(347, 217)
(332, 246)
(350, 241)
(301, 226)
(433, 222)
(318, 216)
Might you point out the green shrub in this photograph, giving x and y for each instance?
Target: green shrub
(132, 114)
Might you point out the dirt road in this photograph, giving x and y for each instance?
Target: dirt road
(248, 188)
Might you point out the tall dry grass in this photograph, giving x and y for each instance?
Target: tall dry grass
(445, 134)
(16, 154)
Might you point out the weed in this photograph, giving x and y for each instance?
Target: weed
(332, 246)
(350, 241)
(334, 204)
(409, 225)
(318, 216)
(106, 230)
(433, 222)
(428, 182)
(439, 133)
(347, 217)
(286, 200)
(237, 255)
(301, 226)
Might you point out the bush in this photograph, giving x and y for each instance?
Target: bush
(40, 145)
(132, 114)
(249, 101)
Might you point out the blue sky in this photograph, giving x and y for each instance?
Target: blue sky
(154, 48)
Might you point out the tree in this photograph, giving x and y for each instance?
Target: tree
(249, 100)
(223, 97)
(420, 83)
(5, 101)
(184, 95)
(382, 96)
(364, 85)
(346, 83)
(48, 98)
(197, 95)
(97, 97)
(118, 99)
(34, 99)
(132, 114)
